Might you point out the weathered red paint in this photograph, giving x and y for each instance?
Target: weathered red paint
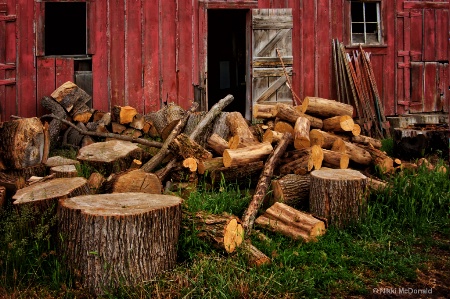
(147, 52)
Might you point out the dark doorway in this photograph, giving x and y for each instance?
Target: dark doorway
(65, 28)
(227, 57)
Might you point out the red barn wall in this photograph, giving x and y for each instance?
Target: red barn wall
(148, 52)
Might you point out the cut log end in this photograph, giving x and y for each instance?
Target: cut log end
(233, 236)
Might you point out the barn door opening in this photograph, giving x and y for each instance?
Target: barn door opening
(227, 60)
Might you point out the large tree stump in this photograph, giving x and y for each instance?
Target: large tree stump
(290, 222)
(22, 143)
(117, 239)
(337, 195)
(110, 156)
(46, 194)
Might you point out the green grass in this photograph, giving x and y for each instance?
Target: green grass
(397, 237)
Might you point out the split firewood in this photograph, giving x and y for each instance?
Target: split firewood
(366, 140)
(292, 223)
(223, 231)
(22, 143)
(217, 144)
(321, 138)
(46, 195)
(64, 171)
(117, 128)
(264, 111)
(186, 147)
(334, 159)
(81, 112)
(135, 180)
(123, 115)
(55, 126)
(356, 153)
(69, 94)
(110, 228)
(245, 155)
(110, 156)
(254, 256)
(95, 182)
(210, 165)
(159, 157)
(325, 108)
(343, 123)
(272, 136)
(97, 115)
(108, 135)
(138, 122)
(301, 133)
(292, 189)
(250, 213)
(337, 195)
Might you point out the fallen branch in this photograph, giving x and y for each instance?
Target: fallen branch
(106, 135)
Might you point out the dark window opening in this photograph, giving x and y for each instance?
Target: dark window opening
(65, 28)
(227, 57)
(365, 22)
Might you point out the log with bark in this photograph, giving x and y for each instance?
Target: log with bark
(120, 239)
(95, 182)
(356, 153)
(254, 256)
(217, 144)
(250, 213)
(45, 195)
(290, 114)
(123, 115)
(245, 155)
(338, 195)
(272, 136)
(303, 161)
(138, 122)
(321, 138)
(343, 123)
(110, 156)
(55, 126)
(334, 159)
(2, 197)
(224, 231)
(325, 108)
(264, 111)
(293, 190)
(283, 127)
(290, 222)
(380, 159)
(366, 140)
(22, 143)
(236, 173)
(186, 147)
(240, 131)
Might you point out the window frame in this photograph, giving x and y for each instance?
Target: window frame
(381, 16)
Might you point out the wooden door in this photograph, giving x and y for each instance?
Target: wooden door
(428, 42)
(272, 48)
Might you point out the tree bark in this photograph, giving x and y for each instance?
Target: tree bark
(110, 240)
(186, 147)
(69, 94)
(323, 139)
(338, 195)
(380, 159)
(292, 223)
(325, 108)
(245, 155)
(264, 111)
(293, 190)
(249, 216)
(334, 159)
(55, 125)
(223, 231)
(357, 154)
(22, 143)
(254, 256)
(210, 165)
(366, 140)
(272, 136)
(217, 144)
(239, 129)
(236, 173)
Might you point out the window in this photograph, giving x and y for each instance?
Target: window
(65, 28)
(365, 22)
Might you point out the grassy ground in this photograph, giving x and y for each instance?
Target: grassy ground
(403, 245)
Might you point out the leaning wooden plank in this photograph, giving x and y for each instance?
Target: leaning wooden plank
(249, 216)
(290, 222)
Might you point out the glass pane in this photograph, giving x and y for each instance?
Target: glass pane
(357, 28)
(357, 11)
(371, 11)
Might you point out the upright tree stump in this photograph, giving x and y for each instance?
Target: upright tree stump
(337, 195)
(121, 238)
